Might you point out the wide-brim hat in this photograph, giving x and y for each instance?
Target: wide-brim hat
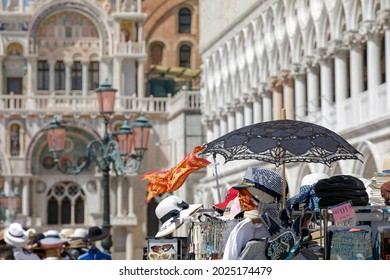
(313, 178)
(14, 235)
(171, 212)
(79, 233)
(52, 239)
(96, 233)
(231, 194)
(259, 179)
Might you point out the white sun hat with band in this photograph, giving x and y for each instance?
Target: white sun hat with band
(15, 235)
(171, 212)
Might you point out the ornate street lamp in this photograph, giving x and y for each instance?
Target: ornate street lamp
(122, 150)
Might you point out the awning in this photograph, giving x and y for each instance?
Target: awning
(174, 71)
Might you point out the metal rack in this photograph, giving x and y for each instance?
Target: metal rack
(364, 214)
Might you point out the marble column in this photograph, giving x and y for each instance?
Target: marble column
(383, 20)
(327, 100)
(52, 65)
(248, 111)
(288, 93)
(267, 104)
(239, 115)
(354, 41)
(300, 92)
(223, 124)
(277, 97)
(140, 79)
(119, 197)
(216, 128)
(31, 75)
(341, 86)
(369, 29)
(257, 108)
(85, 78)
(68, 77)
(231, 119)
(130, 202)
(117, 76)
(25, 198)
(313, 96)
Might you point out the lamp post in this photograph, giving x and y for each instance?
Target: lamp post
(121, 151)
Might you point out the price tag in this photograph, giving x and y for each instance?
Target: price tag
(343, 212)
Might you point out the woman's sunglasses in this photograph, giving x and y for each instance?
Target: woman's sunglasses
(164, 248)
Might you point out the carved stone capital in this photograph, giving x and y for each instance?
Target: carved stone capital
(336, 46)
(285, 77)
(383, 19)
(353, 39)
(322, 55)
(297, 70)
(274, 82)
(368, 28)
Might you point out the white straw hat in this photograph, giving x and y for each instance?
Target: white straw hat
(171, 212)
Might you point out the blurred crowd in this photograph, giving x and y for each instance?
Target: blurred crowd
(19, 243)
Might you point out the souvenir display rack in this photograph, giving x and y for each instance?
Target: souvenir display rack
(373, 216)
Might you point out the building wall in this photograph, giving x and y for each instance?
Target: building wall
(325, 62)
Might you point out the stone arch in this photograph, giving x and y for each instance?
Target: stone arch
(88, 10)
(38, 144)
(372, 160)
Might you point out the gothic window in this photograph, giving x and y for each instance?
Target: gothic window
(76, 76)
(184, 20)
(93, 75)
(59, 75)
(65, 204)
(43, 75)
(185, 56)
(15, 140)
(156, 53)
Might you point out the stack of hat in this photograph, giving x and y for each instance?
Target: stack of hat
(172, 211)
(379, 179)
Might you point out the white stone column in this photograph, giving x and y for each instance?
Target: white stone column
(327, 103)
(288, 94)
(52, 65)
(267, 105)
(248, 111)
(119, 197)
(300, 93)
(231, 119)
(223, 124)
(341, 86)
(140, 79)
(85, 78)
(216, 128)
(383, 20)
(117, 76)
(31, 75)
(357, 79)
(370, 30)
(313, 91)
(26, 198)
(130, 202)
(239, 116)
(257, 108)
(209, 131)
(68, 77)
(277, 97)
